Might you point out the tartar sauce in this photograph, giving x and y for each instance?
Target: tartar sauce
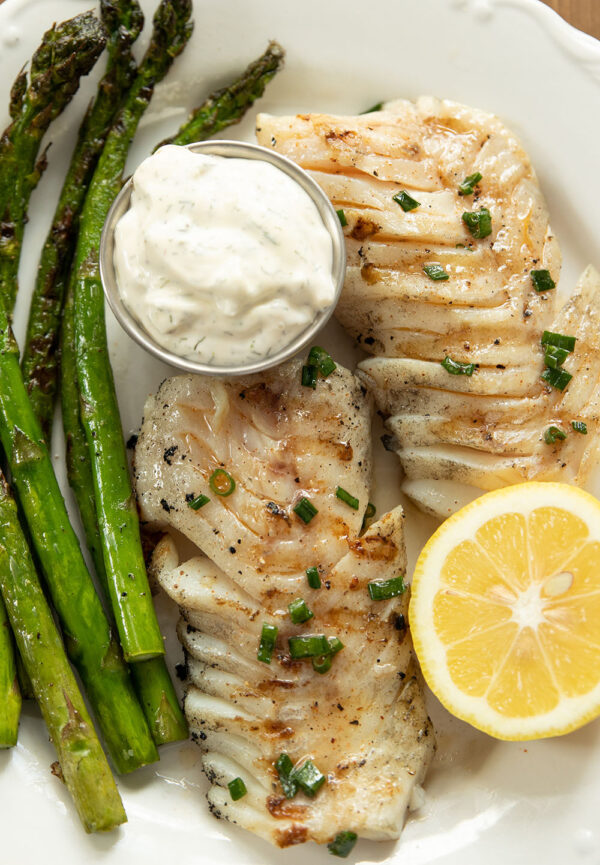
(222, 260)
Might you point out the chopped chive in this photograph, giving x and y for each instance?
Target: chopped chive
(558, 378)
(455, 367)
(322, 360)
(377, 107)
(369, 514)
(221, 483)
(542, 281)
(344, 496)
(553, 433)
(266, 646)
(479, 222)
(237, 788)
(383, 590)
(335, 645)
(309, 646)
(309, 778)
(312, 575)
(406, 201)
(554, 356)
(343, 844)
(196, 503)
(579, 426)
(309, 376)
(322, 664)
(299, 612)
(342, 217)
(469, 184)
(560, 340)
(435, 272)
(285, 769)
(305, 510)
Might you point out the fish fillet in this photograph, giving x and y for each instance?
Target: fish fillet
(363, 723)
(476, 432)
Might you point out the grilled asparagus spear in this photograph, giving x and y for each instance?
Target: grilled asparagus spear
(68, 51)
(83, 764)
(115, 504)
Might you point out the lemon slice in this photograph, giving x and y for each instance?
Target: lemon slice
(505, 611)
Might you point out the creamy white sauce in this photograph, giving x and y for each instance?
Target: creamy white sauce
(221, 260)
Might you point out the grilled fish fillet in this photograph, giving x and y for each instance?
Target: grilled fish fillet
(364, 723)
(453, 433)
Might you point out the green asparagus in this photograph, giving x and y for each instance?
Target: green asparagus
(83, 764)
(123, 21)
(10, 694)
(115, 503)
(228, 105)
(67, 52)
(89, 641)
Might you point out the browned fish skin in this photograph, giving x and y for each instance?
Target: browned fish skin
(485, 430)
(363, 723)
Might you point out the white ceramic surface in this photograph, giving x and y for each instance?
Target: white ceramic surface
(488, 803)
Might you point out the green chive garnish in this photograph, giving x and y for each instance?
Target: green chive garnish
(377, 107)
(406, 201)
(542, 281)
(558, 378)
(221, 483)
(335, 645)
(560, 340)
(305, 510)
(343, 844)
(322, 664)
(309, 778)
(554, 357)
(469, 184)
(266, 646)
(553, 433)
(455, 367)
(309, 646)
(237, 788)
(435, 272)
(285, 769)
(579, 426)
(383, 590)
(299, 612)
(370, 511)
(198, 502)
(342, 217)
(344, 496)
(309, 376)
(312, 575)
(479, 222)
(322, 360)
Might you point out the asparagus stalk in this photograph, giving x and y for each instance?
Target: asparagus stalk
(90, 643)
(151, 679)
(123, 21)
(115, 503)
(10, 694)
(67, 52)
(228, 105)
(82, 761)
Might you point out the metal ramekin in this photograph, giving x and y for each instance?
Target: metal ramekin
(130, 324)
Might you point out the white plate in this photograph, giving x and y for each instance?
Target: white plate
(487, 802)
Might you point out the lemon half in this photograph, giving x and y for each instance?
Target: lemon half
(505, 611)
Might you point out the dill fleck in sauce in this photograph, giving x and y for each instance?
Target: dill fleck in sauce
(221, 260)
